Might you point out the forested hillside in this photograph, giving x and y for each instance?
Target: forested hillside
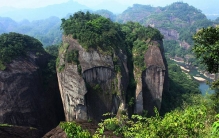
(47, 31)
(177, 22)
(184, 112)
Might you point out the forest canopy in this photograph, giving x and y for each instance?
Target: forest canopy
(206, 47)
(13, 45)
(95, 31)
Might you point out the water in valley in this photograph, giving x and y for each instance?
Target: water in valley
(203, 86)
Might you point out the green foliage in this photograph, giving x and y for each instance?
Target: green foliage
(180, 85)
(194, 119)
(137, 39)
(52, 50)
(61, 68)
(46, 31)
(13, 45)
(206, 47)
(173, 49)
(215, 126)
(97, 88)
(2, 66)
(131, 101)
(7, 125)
(139, 49)
(72, 56)
(94, 31)
(73, 130)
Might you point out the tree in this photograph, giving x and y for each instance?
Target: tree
(206, 48)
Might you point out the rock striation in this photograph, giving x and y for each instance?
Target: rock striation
(91, 87)
(18, 132)
(150, 82)
(24, 101)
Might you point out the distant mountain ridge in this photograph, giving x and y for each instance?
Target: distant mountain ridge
(47, 30)
(59, 10)
(177, 22)
(173, 21)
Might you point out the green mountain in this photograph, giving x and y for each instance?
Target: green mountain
(177, 21)
(59, 10)
(47, 30)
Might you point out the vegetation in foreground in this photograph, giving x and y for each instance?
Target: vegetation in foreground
(194, 119)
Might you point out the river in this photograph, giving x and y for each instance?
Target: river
(203, 87)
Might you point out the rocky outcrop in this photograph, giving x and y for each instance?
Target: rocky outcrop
(150, 82)
(24, 101)
(56, 133)
(169, 34)
(18, 132)
(91, 87)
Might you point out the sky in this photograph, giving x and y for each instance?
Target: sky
(208, 7)
(92, 3)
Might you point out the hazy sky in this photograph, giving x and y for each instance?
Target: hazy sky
(91, 3)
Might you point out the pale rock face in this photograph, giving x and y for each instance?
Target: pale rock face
(151, 82)
(93, 59)
(95, 91)
(72, 88)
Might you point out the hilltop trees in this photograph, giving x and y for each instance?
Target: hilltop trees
(14, 44)
(93, 31)
(206, 47)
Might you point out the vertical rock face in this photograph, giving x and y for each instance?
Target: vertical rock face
(73, 89)
(151, 83)
(23, 99)
(95, 89)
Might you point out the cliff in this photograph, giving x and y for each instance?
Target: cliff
(24, 98)
(90, 87)
(100, 62)
(151, 81)
(97, 88)
(18, 132)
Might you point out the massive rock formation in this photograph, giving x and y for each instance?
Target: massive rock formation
(150, 82)
(91, 87)
(18, 132)
(24, 101)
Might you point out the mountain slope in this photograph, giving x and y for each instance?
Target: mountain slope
(59, 10)
(47, 30)
(174, 21)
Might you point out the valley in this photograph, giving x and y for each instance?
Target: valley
(92, 73)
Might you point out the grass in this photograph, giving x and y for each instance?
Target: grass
(5, 125)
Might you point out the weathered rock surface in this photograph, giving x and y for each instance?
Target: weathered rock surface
(152, 80)
(24, 101)
(97, 89)
(56, 133)
(89, 126)
(18, 132)
(169, 34)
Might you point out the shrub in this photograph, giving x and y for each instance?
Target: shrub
(72, 130)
